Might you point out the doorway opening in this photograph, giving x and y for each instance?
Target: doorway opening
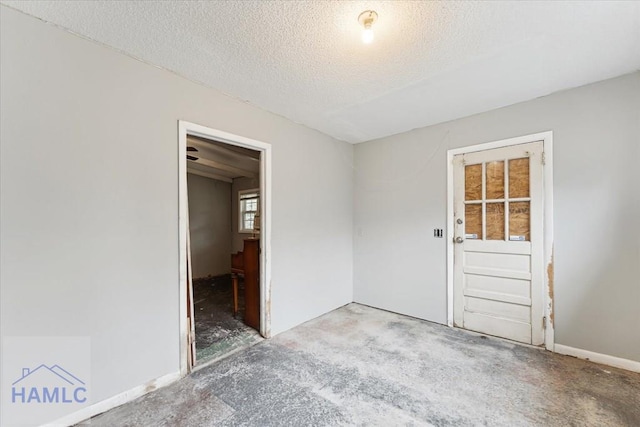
(224, 242)
(500, 239)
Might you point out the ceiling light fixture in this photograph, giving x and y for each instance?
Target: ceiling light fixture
(366, 19)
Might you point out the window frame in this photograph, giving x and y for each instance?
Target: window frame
(242, 211)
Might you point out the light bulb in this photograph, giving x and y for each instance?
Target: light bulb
(366, 19)
(367, 35)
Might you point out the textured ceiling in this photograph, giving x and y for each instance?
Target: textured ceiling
(430, 62)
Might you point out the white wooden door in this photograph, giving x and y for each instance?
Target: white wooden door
(498, 242)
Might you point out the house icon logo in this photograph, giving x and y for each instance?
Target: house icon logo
(48, 385)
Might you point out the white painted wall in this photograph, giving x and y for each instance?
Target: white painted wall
(239, 184)
(400, 197)
(89, 201)
(209, 225)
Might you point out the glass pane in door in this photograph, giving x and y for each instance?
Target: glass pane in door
(495, 180)
(473, 182)
(473, 221)
(519, 178)
(495, 221)
(519, 221)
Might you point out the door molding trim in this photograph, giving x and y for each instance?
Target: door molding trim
(189, 128)
(547, 142)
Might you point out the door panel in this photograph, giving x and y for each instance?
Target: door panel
(508, 311)
(498, 281)
(517, 290)
(498, 261)
(512, 330)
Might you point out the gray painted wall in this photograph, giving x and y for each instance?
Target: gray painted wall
(209, 226)
(239, 184)
(89, 201)
(400, 197)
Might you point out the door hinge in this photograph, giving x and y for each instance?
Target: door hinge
(544, 159)
(544, 322)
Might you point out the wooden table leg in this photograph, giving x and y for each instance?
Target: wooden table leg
(234, 282)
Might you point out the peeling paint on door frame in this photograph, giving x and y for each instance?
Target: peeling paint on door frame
(548, 240)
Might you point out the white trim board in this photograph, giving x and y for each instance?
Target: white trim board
(117, 400)
(605, 359)
(187, 128)
(547, 139)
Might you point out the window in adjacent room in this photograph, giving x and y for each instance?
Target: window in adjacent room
(249, 205)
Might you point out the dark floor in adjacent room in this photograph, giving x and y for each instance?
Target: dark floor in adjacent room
(362, 366)
(218, 332)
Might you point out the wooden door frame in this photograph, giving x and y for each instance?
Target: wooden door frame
(547, 188)
(187, 128)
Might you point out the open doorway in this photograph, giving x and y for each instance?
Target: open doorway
(224, 238)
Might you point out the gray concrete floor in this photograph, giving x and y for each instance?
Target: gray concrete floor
(217, 331)
(362, 366)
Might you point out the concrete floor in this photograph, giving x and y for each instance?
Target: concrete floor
(362, 366)
(217, 330)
